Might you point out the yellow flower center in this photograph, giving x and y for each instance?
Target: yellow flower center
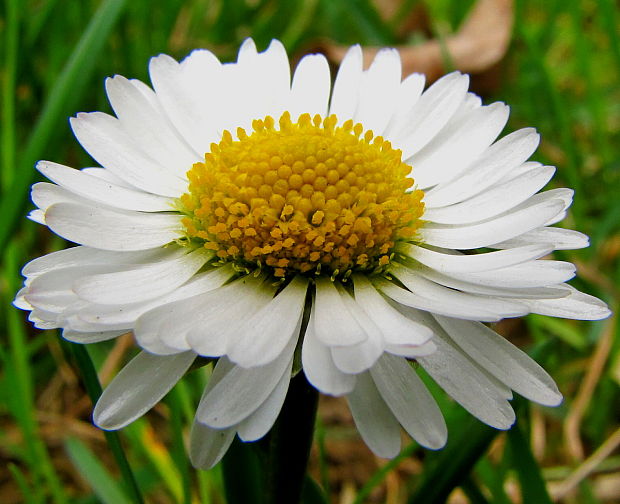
(301, 197)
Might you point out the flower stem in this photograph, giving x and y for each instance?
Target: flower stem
(288, 444)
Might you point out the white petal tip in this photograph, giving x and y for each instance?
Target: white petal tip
(436, 442)
(106, 422)
(551, 399)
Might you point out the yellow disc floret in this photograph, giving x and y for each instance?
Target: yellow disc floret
(300, 197)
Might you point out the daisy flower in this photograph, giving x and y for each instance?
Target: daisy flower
(275, 223)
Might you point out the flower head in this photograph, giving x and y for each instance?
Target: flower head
(239, 215)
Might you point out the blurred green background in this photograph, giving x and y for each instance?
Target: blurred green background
(560, 74)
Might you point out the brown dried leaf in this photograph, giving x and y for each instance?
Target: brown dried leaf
(480, 42)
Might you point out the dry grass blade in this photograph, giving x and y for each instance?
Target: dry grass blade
(595, 367)
(588, 466)
(115, 358)
(481, 42)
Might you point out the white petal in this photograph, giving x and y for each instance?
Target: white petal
(458, 145)
(410, 401)
(471, 102)
(138, 387)
(541, 273)
(83, 256)
(171, 322)
(43, 320)
(376, 423)
(112, 229)
(182, 90)
(462, 380)
(396, 328)
(411, 352)
(258, 85)
(345, 95)
(241, 392)
(558, 238)
(273, 79)
(498, 308)
(577, 305)
(355, 359)
(143, 283)
(207, 446)
(56, 283)
(37, 216)
(203, 71)
(494, 201)
(99, 190)
(44, 195)
(128, 314)
(409, 93)
(264, 335)
(217, 329)
(107, 176)
(103, 137)
(310, 87)
(260, 422)
(247, 51)
(503, 360)
(510, 292)
(149, 129)
(20, 299)
(461, 263)
(497, 161)
(319, 367)
(91, 337)
(498, 229)
(468, 311)
(334, 323)
(431, 112)
(379, 91)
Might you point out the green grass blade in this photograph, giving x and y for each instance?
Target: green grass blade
(319, 436)
(93, 388)
(78, 68)
(298, 24)
(470, 488)
(179, 454)
(378, 477)
(20, 380)
(447, 469)
(493, 476)
(311, 493)
(8, 93)
(27, 492)
(608, 11)
(369, 21)
(532, 484)
(103, 484)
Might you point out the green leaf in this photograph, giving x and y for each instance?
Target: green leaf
(312, 493)
(179, 454)
(470, 488)
(562, 329)
(103, 484)
(533, 487)
(243, 476)
(492, 476)
(445, 470)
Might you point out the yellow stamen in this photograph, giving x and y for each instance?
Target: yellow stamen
(302, 197)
